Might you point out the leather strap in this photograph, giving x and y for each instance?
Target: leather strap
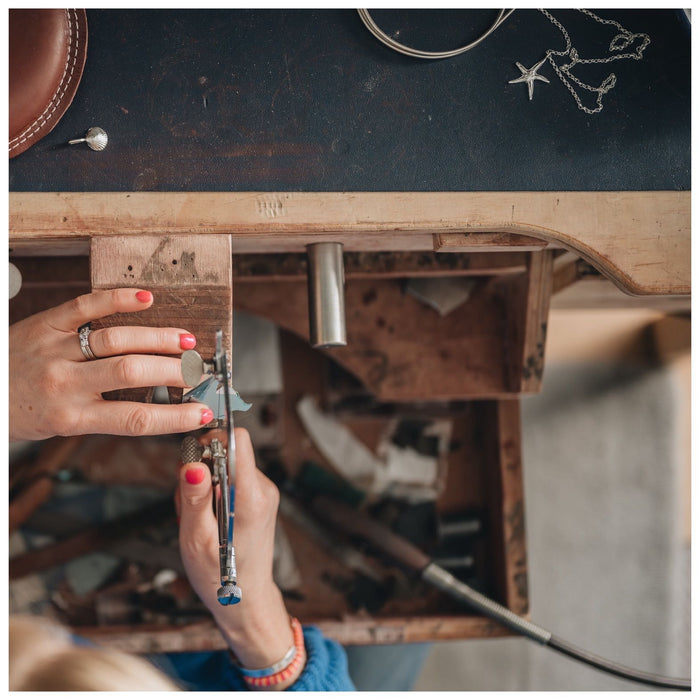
(46, 61)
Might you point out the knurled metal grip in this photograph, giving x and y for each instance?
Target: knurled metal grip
(230, 594)
(191, 450)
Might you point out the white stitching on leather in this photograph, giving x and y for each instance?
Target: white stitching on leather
(64, 83)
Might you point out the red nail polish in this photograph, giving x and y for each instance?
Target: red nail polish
(195, 475)
(187, 341)
(207, 416)
(143, 296)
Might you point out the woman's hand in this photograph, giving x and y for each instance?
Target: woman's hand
(54, 390)
(258, 628)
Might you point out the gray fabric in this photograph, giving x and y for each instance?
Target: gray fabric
(608, 567)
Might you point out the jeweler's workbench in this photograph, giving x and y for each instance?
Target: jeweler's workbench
(237, 138)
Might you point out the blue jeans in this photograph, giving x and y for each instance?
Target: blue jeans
(383, 667)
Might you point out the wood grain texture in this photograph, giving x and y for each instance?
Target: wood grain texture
(565, 271)
(640, 240)
(398, 347)
(507, 504)
(49, 281)
(488, 242)
(535, 316)
(524, 302)
(205, 636)
(189, 276)
(401, 350)
(387, 264)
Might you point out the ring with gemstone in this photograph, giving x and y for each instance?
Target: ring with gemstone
(84, 336)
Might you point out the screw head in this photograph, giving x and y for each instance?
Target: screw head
(96, 138)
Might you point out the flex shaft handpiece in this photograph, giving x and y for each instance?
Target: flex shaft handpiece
(217, 393)
(225, 468)
(216, 456)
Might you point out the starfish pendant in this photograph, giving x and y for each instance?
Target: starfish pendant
(529, 75)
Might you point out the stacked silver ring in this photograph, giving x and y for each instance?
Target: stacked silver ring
(84, 336)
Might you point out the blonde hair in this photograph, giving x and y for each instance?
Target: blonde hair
(42, 657)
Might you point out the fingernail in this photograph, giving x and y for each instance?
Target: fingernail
(187, 341)
(143, 296)
(207, 416)
(195, 475)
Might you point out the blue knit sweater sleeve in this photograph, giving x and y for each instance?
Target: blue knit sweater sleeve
(326, 667)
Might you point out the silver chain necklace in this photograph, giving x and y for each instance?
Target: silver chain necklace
(619, 43)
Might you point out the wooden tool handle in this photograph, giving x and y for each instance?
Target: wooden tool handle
(354, 522)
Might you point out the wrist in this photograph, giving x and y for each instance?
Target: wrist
(284, 673)
(257, 630)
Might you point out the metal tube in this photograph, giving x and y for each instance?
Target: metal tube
(326, 294)
(446, 582)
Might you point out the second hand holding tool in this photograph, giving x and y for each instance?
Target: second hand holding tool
(222, 458)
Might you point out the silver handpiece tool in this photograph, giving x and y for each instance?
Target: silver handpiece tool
(222, 458)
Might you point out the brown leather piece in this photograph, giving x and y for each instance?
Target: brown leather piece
(47, 57)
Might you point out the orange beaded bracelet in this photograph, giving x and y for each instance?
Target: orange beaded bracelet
(260, 679)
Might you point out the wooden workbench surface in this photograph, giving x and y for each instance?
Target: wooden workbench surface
(641, 240)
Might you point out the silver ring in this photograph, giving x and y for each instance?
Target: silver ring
(84, 336)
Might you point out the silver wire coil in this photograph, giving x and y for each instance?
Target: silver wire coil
(418, 53)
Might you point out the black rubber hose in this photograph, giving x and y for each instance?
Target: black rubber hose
(616, 669)
(445, 581)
